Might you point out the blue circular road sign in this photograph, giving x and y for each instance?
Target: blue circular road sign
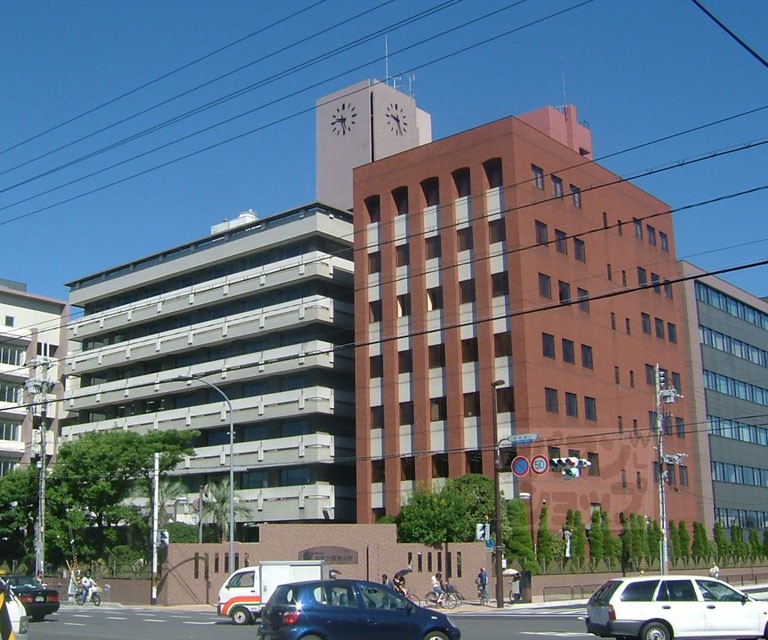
(520, 466)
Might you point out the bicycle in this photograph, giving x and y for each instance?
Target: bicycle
(82, 598)
(445, 599)
(449, 588)
(408, 595)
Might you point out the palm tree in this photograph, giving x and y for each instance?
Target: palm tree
(217, 507)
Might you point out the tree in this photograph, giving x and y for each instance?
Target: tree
(653, 534)
(18, 511)
(721, 543)
(738, 547)
(755, 548)
(596, 542)
(700, 543)
(611, 545)
(674, 542)
(579, 539)
(217, 507)
(545, 550)
(518, 544)
(684, 541)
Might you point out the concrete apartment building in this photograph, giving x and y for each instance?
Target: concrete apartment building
(503, 261)
(262, 308)
(32, 337)
(728, 330)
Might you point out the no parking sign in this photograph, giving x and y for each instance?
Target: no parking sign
(520, 466)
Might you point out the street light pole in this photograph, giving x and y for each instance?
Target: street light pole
(189, 378)
(497, 499)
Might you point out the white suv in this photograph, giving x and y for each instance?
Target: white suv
(674, 606)
(17, 614)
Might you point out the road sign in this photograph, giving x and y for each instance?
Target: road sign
(540, 464)
(520, 438)
(489, 544)
(520, 466)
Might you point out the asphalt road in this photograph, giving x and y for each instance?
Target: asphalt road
(129, 623)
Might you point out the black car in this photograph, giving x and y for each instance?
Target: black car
(349, 610)
(39, 601)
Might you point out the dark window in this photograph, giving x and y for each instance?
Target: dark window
(594, 467)
(466, 291)
(402, 255)
(373, 206)
(576, 197)
(663, 241)
(377, 366)
(613, 321)
(493, 173)
(605, 220)
(672, 332)
(502, 344)
(590, 408)
(406, 412)
(405, 361)
(400, 198)
(465, 239)
(499, 284)
(548, 345)
(542, 235)
(583, 295)
(645, 322)
(432, 247)
(571, 405)
(627, 326)
(568, 351)
(471, 404)
(374, 311)
(431, 190)
(651, 233)
(659, 323)
(374, 262)
(403, 305)
(436, 356)
(557, 187)
(462, 183)
(642, 276)
(377, 471)
(631, 378)
(545, 286)
(609, 271)
(505, 399)
(683, 476)
(586, 356)
(650, 375)
(377, 417)
(621, 424)
(638, 225)
(676, 381)
(561, 241)
(538, 177)
(564, 292)
(438, 409)
(680, 427)
(469, 351)
(668, 289)
(617, 375)
(550, 400)
(580, 250)
(656, 283)
(434, 299)
(497, 231)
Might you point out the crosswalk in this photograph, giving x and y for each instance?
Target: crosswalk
(528, 612)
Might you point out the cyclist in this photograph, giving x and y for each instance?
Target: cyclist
(86, 585)
(437, 586)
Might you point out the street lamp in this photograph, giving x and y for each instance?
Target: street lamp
(189, 378)
(525, 495)
(497, 498)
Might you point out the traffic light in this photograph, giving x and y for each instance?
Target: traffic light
(164, 539)
(480, 531)
(570, 467)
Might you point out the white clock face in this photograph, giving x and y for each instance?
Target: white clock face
(396, 118)
(343, 119)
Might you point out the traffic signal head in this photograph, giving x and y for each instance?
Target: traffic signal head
(569, 466)
(571, 472)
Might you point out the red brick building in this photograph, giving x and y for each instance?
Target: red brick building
(503, 259)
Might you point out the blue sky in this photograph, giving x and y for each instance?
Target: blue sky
(636, 70)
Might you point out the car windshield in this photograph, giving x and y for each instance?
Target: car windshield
(714, 590)
(23, 581)
(603, 594)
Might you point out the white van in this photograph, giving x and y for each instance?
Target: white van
(247, 590)
(16, 612)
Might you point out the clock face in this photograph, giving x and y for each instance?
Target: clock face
(343, 119)
(396, 119)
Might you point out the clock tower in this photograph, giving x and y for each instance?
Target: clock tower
(362, 123)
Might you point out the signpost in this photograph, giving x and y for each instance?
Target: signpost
(539, 464)
(520, 466)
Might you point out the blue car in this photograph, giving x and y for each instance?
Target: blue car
(349, 610)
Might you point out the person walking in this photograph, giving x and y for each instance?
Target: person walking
(482, 585)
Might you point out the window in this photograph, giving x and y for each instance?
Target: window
(469, 351)
(576, 196)
(404, 361)
(373, 207)
(609, 271)
(434, 299)
(571, 405)
(374, 311)
(9, 321)
(548, 345)
(377, 417)
(471, 404)
(436, 356)
(663, 241)
(377, 366)
(493, 173)
(505, 399)
(650, 375)
(680, 427)
(632, 588)
(613, 321)
(642, 276)
(656, 283)
(406, 412)
(620, 227)
(617, 375)
(683, 476)
(627, 326)
(538, 177)
(635, 430)
(631, 378)
(462, 183)
(623, 278)
(432, 247)
(638, 480)
(668, 290)
(502, 344)
(590, 408)
(645, 322)
(659, 323)
(545, 286)
(374, 262)
(403, 305)
(594, 466)
(497, 232)
(465, 239)
(583, 295)
(568, 351)
(672, 332)
(400, 198)
(438, 409)
(564, 292)
(550, 400)
(431, 190)
(651, 233)
(586, 356)
(557, 187)
(499, 284)
(402, 255)
(542, 236)
(676, 381)
(605, 220)
(580, 250)
(638, 226)
(561, 241)
(466, 291)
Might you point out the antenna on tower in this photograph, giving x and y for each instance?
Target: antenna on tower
(411, 82)
(386, 58)
(562, 76)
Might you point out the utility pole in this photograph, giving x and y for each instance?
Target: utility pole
(155, 513)
(664, 395)
(498, 546)
(38, 387)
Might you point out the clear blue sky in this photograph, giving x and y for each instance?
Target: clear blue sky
(635, 69)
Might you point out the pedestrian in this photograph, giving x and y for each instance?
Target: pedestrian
(714, 571)
(482, 585)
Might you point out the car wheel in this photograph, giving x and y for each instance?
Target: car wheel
(241, 616)
(655, 631)
(435, 635)
(311, 638)
(38, 618)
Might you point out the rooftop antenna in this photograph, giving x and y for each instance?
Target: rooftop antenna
(386, 58)
(411, 82)
(562, 76)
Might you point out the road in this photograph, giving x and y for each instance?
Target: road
(133, 623)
